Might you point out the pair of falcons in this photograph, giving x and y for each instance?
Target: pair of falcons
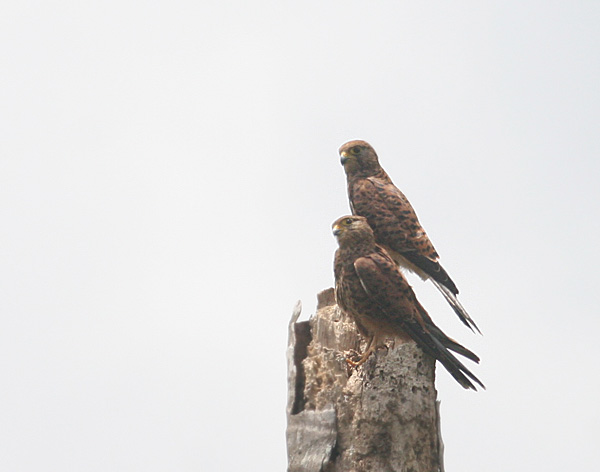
(382, 234)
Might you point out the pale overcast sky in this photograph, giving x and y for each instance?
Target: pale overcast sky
(168, 178)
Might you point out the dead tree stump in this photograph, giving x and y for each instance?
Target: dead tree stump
(381, 417)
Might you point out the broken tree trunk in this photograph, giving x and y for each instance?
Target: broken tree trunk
(382, 416)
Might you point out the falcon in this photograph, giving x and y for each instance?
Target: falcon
(371, 289)
(372, 194)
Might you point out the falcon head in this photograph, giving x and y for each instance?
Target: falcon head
(359, 157)
(352, 229)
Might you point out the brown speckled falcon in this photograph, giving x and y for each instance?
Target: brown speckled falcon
(370, 288)
(372, 194)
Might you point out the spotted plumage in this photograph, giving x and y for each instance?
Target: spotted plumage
(370, 288)
(372, 194)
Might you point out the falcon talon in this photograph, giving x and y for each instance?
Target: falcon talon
(358, 363)
(350, 355)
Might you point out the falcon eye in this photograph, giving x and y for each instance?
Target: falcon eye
(348, 221)
(355, 150)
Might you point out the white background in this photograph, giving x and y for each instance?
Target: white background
(168, 178)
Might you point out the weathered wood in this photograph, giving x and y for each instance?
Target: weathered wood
(380, 417)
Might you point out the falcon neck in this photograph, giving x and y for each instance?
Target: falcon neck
(359, 245)
(377, 173)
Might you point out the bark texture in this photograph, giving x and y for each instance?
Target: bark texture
(381, 417)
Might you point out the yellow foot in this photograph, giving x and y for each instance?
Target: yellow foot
(352, 355)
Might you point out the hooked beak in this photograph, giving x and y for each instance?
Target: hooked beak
(336, 230)
(343, 157)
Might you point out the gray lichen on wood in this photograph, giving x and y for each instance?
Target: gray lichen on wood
(379, 417)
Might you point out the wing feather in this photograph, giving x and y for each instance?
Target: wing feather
(397, 227)
(388, 289)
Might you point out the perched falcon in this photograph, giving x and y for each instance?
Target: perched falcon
(372, 194)
(370, 288)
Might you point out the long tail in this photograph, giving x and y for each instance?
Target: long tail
(456, 306)
(456, 368)
(451, 343)
(427, 268)
(433, 271)
(435, 343)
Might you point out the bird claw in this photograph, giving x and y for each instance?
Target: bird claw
(354, 358)
(351, 357)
